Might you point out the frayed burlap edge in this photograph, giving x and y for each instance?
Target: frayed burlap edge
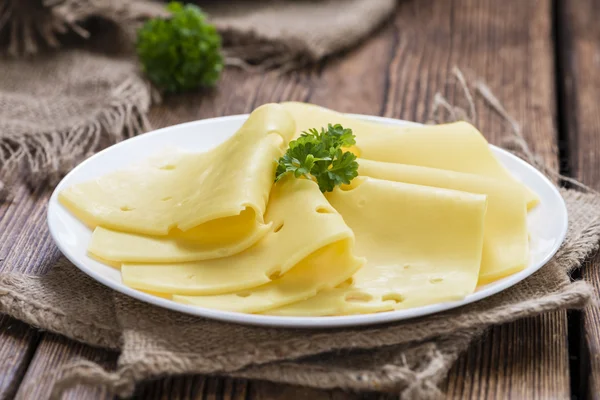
(29, 25)
(47, 317)
(46, 156)
(408, 381)
(123, 380)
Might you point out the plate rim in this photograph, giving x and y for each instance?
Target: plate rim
(329, 322)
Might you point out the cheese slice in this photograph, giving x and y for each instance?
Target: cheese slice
(323, 269)
(338, 301)
(110, 263)
(423, 245)
(217, 238)
(457, 146)
(303, 222)
(185, 190)
(505, 237)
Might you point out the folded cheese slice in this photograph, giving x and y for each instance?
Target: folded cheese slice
(423, 245)
(505, 238)
(185, 190)
(456, 146)
(303, 223)
(221, 237)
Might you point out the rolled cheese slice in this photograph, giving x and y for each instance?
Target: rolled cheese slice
(221, 237)
(505, 237)
(457, 146)
(185, 190)
(303, 223)
(423, 245)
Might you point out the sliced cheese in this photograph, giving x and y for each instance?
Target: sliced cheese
(457, 146)
(505, 237)
(303, 222)
(110, 263)
(217, 238)
(185, 190)
(163, 295)
(323, 269)
(423, 245)
(337, 302)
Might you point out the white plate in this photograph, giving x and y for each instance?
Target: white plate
(547, 223)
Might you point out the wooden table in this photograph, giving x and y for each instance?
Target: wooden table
(540, 57)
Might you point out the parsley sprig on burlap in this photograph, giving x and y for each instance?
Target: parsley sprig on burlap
(182, 52)
(319, 155)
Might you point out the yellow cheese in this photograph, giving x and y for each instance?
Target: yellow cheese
(303, 222)
(505, 238)
(457, 146)
(184, 190)
(163, 295)
(337, 302)
(324, 269)
(110, 263)
(217, 238)
(423, 245)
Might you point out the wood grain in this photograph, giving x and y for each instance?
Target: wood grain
(26, 247)
(191, 387)
(53, 353)
(395, 73)
(580, 61)
(18, 342)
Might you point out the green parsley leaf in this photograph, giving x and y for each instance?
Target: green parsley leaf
(182, 52)
(318, 155)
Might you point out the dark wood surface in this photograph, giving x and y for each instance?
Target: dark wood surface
(579, 61)
(539, 57)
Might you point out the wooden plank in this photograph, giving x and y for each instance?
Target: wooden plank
(193, 387)
(272, 391)
(25, 243)
(18, 342)
(53, 353)
(504, 364)
(25, 246)
(579, 62)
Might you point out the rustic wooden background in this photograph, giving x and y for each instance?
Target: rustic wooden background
(540, 57)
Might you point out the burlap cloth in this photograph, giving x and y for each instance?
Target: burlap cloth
(61, 106)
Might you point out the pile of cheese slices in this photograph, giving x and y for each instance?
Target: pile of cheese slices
(431, 215)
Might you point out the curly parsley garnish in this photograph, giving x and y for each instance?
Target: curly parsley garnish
(319, 156)
(182, 52)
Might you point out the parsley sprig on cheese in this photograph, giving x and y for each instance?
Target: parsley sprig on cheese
(320, 156)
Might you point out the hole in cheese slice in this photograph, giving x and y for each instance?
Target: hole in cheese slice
(505, 237)
(437, 232)
(457, 146)
(292, 202)
(184, 190)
